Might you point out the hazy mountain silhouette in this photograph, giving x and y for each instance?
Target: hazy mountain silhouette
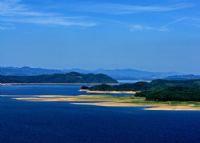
(119, 74)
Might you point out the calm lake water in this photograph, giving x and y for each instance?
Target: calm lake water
(36, 89)
(61, 122)
(44, 89)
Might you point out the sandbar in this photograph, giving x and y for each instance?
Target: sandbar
(115, 101)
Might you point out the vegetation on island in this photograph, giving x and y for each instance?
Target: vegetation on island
(159, 90)
(168, 90)
(72, 77)
(122, 87)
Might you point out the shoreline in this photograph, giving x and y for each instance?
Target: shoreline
(110, 101)
(171, 108)
(108, 92)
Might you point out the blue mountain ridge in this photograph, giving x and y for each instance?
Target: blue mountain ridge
(119, 74)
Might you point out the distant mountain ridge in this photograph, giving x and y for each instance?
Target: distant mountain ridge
(119, 74)
(133, 74)
(184, 77)
(72, 77)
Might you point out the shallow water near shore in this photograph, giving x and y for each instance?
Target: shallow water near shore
(61, 122)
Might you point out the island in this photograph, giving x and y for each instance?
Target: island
(72, 77)
(118, 89)
(157, 90)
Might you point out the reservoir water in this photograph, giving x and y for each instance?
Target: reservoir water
(61, 122)
(40, 89)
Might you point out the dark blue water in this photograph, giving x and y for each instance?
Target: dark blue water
(36, 89)
(42, 89)
(61, 122)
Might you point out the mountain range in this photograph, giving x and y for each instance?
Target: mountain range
(119, 74)
(184, 77)
(72, 77)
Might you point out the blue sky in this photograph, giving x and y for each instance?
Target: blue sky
(151, 35)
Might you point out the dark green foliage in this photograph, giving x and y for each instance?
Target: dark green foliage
(163, 83)
(159, 90)
(166, 90)
(72, 77)
(176, 93)
(123, 87)
(141, 93)
(85, 87)
(102, 87)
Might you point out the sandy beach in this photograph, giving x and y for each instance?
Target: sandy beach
(174, 108)
(109, 101)
(108, 92)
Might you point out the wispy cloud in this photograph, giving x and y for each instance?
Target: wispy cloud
(140, 27)
(183, 20)
(59, 21)
(17, 8)
(166, 27)
(14, 11)
(111, 8)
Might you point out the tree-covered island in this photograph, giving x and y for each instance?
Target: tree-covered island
(158, 90)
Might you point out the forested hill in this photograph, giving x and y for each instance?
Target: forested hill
(158, 90)
(72, 77)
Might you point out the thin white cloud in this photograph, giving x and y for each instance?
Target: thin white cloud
(57, 21)
(189, 20)
(17, 8)
(139, 27)
(111, 8)
(165, 27)
(14, 11)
